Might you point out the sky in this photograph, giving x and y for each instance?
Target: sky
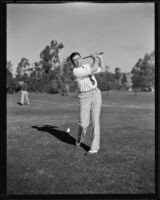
(124, 32)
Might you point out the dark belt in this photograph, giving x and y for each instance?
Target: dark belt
(89, 90)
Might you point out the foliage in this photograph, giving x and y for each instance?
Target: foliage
(11, 82)
(106, 81)
(117, 76)
(22, 65)
(144, 73)
(68, 76)
(9, 66)
(50, 55)
(124, 81)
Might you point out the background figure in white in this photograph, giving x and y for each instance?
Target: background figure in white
(24, 94)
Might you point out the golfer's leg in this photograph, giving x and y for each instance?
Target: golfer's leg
(22, 97)
(95, 116)
(27, 99)
(84, 118)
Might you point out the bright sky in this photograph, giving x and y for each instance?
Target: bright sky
(123, 31)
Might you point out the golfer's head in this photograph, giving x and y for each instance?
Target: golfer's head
(76, 59)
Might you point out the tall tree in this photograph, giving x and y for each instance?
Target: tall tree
(11, 84)
(144, 73)
(147, 72)
(10, 66)
(136, 78)
(123, 80)
(22, 65)
(9, 72)
(118, 76)
(50, 55)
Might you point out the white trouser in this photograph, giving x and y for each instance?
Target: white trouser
(90, 106)
(24, 97)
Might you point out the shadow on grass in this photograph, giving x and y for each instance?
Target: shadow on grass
(19, 103)
(61, 135)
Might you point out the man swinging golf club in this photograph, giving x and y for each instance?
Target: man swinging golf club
(89, 97)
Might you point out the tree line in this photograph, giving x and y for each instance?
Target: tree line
(49, 75)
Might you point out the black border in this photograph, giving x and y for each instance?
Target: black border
(157, 100)
(3, 124)
(3, 100)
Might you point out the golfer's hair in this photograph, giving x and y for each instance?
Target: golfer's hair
(74, 54)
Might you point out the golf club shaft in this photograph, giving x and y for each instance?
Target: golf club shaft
(84, 57)
(90, 56)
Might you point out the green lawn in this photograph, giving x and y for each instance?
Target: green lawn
(42, 158)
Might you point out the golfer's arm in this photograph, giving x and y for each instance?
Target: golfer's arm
(94, 66)
(102, 65)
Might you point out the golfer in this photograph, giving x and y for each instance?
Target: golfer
(89, 97)
(24, 94)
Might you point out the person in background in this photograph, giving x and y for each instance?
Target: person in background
(89, 97)
(66, 90)
(24, 94)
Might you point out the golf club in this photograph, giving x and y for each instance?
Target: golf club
(83, 58)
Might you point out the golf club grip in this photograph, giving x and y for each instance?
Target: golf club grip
(90, 56)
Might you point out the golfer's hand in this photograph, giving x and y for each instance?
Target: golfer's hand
(99, 57)
(94, 56)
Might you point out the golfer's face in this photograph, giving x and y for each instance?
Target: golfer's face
(77, 61)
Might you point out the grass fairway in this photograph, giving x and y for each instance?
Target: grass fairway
(42, 158)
